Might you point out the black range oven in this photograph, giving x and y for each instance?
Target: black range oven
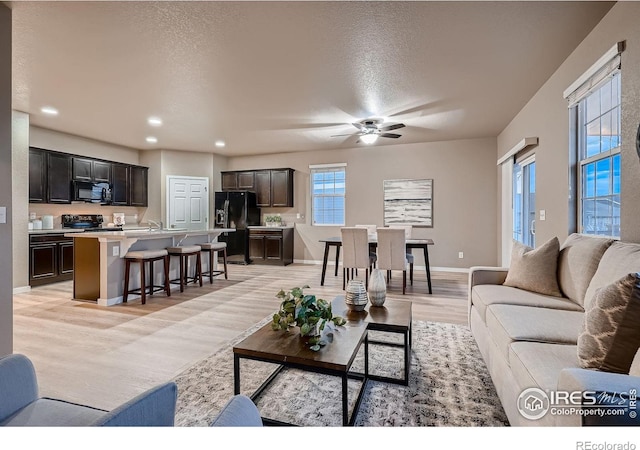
(87, 222)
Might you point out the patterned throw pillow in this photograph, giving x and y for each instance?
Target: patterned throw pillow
(535, 270)
(610, 334)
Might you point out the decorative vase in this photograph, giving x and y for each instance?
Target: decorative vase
(377, 288)
(356, 295)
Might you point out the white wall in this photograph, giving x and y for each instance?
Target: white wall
(464, 204)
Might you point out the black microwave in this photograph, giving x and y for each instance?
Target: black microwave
(86, 191)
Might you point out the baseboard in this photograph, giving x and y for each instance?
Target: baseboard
(21, 289)
(415, 267)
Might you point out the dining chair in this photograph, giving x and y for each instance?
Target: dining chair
(371, 230)
(355, 253)
(392, 253)
(408, 230)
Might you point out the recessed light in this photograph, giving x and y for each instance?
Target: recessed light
(49, 110)
(152, 140)
(154, 121)
(220, 144)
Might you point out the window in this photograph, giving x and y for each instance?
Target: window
(524, 201)
(595, 111)
(328, 183)
(598, 165)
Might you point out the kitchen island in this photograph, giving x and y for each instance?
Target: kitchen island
(98, 259)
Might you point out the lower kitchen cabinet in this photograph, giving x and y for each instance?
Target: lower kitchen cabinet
(271, 246)
(50, 258)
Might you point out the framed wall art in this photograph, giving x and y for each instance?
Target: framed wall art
(408, 202)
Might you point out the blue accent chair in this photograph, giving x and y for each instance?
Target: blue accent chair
(239, 411)
(21, 405)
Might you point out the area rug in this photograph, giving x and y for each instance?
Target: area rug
(449, 385)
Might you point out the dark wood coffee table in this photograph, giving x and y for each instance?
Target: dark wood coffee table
(288, 349)
(393, 317)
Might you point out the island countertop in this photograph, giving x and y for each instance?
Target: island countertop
(98, 263)
(148, 234)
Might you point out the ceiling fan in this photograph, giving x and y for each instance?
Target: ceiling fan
(370, 130)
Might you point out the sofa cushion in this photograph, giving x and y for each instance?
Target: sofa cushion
(484, 295)
(535, 269)
(511, 323)
(46, 412)
(620, 259)
(538, 364)
(610, 333)
(577, 262)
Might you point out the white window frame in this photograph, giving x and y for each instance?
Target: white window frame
(601, 72)
(338, 167)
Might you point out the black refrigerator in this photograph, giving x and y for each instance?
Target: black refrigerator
(236, 209)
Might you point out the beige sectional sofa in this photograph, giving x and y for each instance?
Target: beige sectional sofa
(529, 340)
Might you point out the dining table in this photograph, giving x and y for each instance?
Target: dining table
(410, 245)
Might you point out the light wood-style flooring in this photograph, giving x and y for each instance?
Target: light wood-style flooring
(103, 356)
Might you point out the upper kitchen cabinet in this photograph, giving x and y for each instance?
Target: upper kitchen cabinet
(120, 187)
(229, 181)
(246, 181)
(263, 187)
(49, 176)
(139, 194)
(58, 178)
(37, 175)
(282, 187)
(273, 187)
(87, 169)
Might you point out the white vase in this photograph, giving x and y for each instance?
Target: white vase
(377, 288)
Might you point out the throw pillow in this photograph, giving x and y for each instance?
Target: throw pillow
(610, 334)
(535, 270)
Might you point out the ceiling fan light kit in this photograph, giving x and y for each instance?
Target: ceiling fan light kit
(370, 130)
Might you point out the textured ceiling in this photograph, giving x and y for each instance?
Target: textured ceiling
(285, 76)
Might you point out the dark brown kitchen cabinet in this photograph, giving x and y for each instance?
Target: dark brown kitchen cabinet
(50, 258)
(273, 247)
(246, 181)
(229, 181)
(263, 187)
(51, 174)
(88, 169)
(58, 178)
(282, 187)
(138, 181)
(120, 185)
(37, 176)
(273, 187)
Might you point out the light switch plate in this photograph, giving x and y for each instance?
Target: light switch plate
(3, 214)
(116, 250)
(543, 214)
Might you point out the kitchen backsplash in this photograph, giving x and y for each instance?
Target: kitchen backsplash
(133, 215)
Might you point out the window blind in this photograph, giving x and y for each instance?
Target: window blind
(605, 67)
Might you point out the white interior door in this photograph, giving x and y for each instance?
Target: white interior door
(188, 202)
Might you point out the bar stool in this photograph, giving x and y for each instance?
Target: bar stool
(183, 252)
(212, 248)
(141, 257)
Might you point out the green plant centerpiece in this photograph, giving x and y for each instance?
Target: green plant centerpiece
(306, 311)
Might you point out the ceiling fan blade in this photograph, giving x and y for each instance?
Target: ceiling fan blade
(350, 134)
(395, 126)
(359, 126)
(390, 135)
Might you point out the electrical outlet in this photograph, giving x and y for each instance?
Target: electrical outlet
(116, 250)
(460, 255)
